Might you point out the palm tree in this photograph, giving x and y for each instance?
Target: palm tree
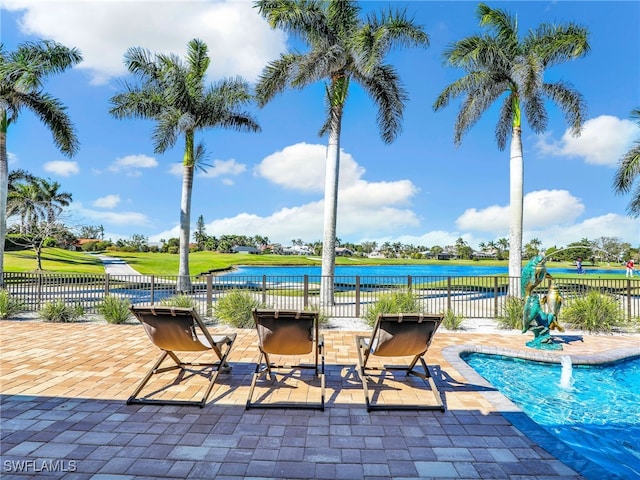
(22, 76)
(343, 49)
(53, 200)
(501, 66)
(628, 174)
(173, 93)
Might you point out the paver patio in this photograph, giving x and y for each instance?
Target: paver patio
(63, 411)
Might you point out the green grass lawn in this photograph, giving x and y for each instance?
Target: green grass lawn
(56, 260)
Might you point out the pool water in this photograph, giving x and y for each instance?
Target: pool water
(595, 410)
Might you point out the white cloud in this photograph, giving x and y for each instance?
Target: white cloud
(364, 208)
(224, 168)
(12, 158)
(541, 208)
(302, 167)
(609, 225)
(603, 141)
(64, 168)
(108, 201)
(240, 41)
(131, 164)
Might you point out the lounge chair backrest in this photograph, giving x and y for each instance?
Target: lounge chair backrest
(285, 332)
(398, 335)
(172, 328)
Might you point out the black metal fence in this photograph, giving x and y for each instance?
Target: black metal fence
(471, 297)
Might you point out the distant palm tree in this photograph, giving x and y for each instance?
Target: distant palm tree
(500, 65)
(343, 48)
(174, 94)
(53, 199)
(628, 174)
(22, 76)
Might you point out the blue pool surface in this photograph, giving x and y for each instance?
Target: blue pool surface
(594, 410)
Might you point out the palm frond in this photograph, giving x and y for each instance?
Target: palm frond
(570, 102)
(52, 113)
(502, 24)
(628, 170)
(554, 44)
(385, 89)
(275, 77)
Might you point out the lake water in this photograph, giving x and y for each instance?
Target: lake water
(444, 270)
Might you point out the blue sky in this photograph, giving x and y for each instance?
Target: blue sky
(419, 190)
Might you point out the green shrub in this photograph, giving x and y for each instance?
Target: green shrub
(9, 305)
(60, 312)
(115, 309)
(235, 307)
(511, 314)
(180, 301)
(452, 321)
(595, 312)
(393, 302)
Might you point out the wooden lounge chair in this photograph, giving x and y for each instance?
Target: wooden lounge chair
(399, 335)
(287, 333)
(172, 330)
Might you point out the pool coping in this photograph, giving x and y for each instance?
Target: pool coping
(519, 419)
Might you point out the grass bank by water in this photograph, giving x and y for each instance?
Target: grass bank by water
(56, 260)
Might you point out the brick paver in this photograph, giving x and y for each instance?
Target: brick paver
(64, 387)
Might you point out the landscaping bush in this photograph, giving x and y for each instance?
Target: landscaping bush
(60, 312)
(9, 305)
(595, 312)
(393, 302)
(180, 301)
(115, 309)
(452, 321)
(511, 314)
(235, 307)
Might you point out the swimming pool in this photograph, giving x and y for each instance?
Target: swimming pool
(592, 409)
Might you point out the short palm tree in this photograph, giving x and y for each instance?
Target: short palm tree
(54, 201)
(498, 65)
(628, 174)
(173, 93)
(342, 49)
(22, 75)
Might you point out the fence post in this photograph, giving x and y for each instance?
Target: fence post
(628, 299)
(448, 293)
(358, 296)
(264, 289)
(209, 300)
(39, 302)
(409, 282)
(495, 297)
(305, 290)
(152, 290)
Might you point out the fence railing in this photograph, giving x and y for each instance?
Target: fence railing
(471, 297)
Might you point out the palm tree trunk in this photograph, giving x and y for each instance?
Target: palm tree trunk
(516, 180)
(4, 188)
(330, 208)
(184, 277)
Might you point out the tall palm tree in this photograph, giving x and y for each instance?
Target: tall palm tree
(22, 76)
(172, 92)
(499, 65)
(628, 174)
(343, 49)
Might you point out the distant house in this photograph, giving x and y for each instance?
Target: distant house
(343, 252)
(243, 249)
(297, 250)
